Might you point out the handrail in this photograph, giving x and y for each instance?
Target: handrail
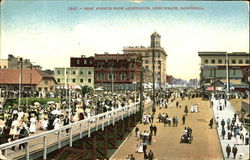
(69, 126)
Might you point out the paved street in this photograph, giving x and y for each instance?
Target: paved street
(166, 145)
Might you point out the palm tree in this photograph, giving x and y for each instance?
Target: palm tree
(85, 89)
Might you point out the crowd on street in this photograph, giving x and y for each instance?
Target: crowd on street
(234, 137)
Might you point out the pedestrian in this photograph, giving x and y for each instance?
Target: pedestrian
(246, 139)
(150, 155)
(144, 147)
(136, 130)
(132, 157)
(150, 138)
(235, 150)
(222, 123)
(177, 104)
(155, 130)
(228, 150)
(183, 119)
(211, 123)
(151, 128)
(223, 133)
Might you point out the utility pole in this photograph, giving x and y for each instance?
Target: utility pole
(160, 74)
(31, 90)
(21, 81)
(153, 61)
(214, 78)
(141, 92)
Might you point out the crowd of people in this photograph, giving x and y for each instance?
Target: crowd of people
(18, 122)
(231, 130)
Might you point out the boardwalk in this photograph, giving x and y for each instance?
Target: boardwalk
(166, 145)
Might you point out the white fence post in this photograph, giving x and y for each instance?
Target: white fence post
(27, 151)
(59, 139)
(80, 130)
(70, 136)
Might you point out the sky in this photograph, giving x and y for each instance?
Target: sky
(50, 32)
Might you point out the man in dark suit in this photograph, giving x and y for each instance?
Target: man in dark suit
(228, 150)
(150, 155)
(235, 150)
(66, 122)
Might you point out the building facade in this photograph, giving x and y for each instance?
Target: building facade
(74, 76)
(117, 71)
(156, 52)
(214, 68)
(32, 79)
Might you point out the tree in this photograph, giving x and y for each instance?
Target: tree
(84, 90)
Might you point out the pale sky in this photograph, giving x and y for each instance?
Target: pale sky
(49, 34)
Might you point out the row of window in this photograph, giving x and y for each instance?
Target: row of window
(84, 61)
(147, 67)
(147, 61)
(123, 76)
(73, 72)
(233, 61)
(46, 88)
(158, 55)
(74, 80)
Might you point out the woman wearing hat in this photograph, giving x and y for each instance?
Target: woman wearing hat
(33, 123)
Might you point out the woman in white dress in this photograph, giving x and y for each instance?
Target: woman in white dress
(33, 124)
(57, 123)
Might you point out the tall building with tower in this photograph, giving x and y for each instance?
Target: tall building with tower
(159, 57)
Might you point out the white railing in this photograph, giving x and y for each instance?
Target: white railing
(52, 137)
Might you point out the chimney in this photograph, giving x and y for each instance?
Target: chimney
(82, 56)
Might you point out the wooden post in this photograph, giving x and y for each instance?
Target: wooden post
(93, 146)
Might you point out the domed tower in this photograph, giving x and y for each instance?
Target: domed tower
(155, 40)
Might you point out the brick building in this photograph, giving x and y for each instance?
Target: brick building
(112, 71)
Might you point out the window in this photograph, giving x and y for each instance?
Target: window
(146, 61)
(233, 61)
(98, 76)
(132, 76)
(247, 61)
(39, 88)
(159, 55)
(46, 88)
(206, 61)
(89, 72)
(73, 80)
(146, 54)
(51, 88)
(46, 82)
(81, 80)
(123, 76)
(146, 67)
(81, 71)
(58, 80)
(159, 67)
(219, 61)
(78, 61)
(90, 62)
(213, 61)
(89, 80)
(240, 61)
(58, 72)
(109, 76)
(159, 62)
(103, 76)
(85, 61)
(73, 72)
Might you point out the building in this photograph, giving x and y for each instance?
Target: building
(74, 76)
(214, 68)
(117, 71)
(147, 53)
(33, 79)
(15, 62)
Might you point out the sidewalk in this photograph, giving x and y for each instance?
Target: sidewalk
(228, 112)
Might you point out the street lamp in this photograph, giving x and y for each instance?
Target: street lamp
(21, 81)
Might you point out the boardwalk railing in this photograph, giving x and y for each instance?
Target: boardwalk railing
(42, 140)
